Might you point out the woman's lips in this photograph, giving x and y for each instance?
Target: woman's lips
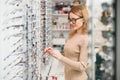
(72, 26)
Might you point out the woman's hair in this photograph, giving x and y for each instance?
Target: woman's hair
(81, 10)
(77, 1)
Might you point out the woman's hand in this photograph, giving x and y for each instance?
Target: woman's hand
(54, 53)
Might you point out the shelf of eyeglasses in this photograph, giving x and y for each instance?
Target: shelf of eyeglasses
(108, 48)
(12, 12)
(107, 44)
(21, 34)
(107, 65)
(49, 12)
(32, 41)
(19, 61)
(33, 22)
(110, 42)
(13, 27)
(108, 34)
(32, 14)
(11, 8)
(48, 22)
(9, 23)
(13, 2)
(18, 47)
(42, 12)
(19, 51)
(18, 74)
(109, 28)
(19, 68)
(14, 35)
(12, 18)
(108, 57)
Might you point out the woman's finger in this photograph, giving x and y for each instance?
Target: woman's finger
(45, 50)
(48, 50)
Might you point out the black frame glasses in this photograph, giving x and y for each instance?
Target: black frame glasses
(73, 20)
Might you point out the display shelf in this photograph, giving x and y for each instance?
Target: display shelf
(64, 15)
(58, 41)
(59, 24)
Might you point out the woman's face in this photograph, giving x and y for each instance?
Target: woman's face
(76, 22)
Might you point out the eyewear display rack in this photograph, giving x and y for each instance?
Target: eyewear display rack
(14, 53)
(25, 28)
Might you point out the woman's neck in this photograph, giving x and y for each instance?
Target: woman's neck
(79, 31)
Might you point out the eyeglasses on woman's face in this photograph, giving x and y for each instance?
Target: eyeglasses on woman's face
(73, 20)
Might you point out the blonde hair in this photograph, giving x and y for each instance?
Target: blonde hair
(80, 10)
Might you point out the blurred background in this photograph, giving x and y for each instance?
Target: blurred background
(28, 26)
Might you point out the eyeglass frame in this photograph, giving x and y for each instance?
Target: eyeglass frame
(74, 19)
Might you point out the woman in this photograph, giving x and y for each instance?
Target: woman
(75, 55)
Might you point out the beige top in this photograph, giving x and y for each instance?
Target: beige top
(76, 57)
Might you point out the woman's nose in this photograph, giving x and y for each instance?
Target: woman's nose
(70, 22)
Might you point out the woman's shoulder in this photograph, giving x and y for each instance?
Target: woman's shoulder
(84, 39)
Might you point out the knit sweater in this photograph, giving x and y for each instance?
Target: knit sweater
(75, 58)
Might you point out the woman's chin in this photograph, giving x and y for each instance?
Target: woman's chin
(73, 28)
